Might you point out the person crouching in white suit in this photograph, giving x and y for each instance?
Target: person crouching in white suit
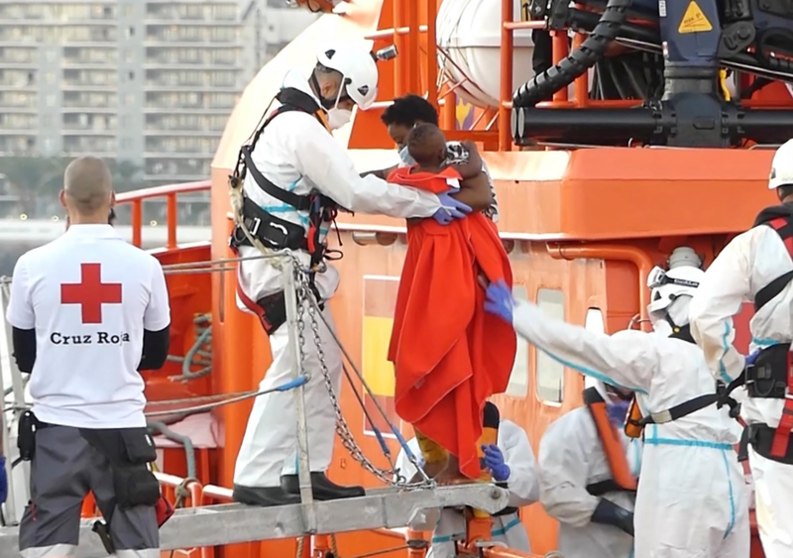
(587, 466)
(511, 462)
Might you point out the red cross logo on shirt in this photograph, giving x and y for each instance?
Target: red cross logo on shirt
(91, 293)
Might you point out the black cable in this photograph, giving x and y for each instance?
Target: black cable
(542, 86)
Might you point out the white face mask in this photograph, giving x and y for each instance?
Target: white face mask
(406, 158)
(338, 117)
(662, 327)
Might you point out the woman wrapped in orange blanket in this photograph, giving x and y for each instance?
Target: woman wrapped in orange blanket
(449, 354)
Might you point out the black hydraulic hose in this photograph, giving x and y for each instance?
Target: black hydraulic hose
(545, 84)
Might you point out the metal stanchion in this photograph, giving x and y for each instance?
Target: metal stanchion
(295, 353)
(9, 366)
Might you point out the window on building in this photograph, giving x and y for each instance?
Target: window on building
(519, 379)
(594, 323)
(550, 372)
(51, 100)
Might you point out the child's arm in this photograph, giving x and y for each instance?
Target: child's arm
(475, 192)
(473, 166)
(382, 174)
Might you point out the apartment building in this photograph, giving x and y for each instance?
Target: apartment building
(150, 81)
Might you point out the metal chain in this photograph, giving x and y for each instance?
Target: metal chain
(342, 429)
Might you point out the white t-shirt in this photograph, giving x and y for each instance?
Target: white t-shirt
(89, 295)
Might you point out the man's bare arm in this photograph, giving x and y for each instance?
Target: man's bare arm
(475, 192)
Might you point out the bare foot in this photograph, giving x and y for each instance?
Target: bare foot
(451, 474)
(435, 469)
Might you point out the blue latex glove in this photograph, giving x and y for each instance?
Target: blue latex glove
(617, 412)
(752, 357)
(494, 461)
(3, 480)
(499, 301)
(450, 209)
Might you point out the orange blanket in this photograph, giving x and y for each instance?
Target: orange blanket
(449, 354)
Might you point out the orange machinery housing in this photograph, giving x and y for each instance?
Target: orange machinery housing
(582, 228)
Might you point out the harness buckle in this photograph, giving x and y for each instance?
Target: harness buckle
(256, 222)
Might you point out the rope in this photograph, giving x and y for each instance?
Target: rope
(182, 494)
(379, 552)
(334, 548)
(187, 444)
(301, 542)
(284, 387)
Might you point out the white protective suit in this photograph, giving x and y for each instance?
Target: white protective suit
(691, 500)
(748, 263)
(296, 152)
(523, 488)
(571, 458)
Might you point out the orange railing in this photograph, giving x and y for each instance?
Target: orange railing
(169, 192)
(408, 67)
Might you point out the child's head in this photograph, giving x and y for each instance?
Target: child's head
(427, 145)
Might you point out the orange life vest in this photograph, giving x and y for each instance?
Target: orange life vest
(621, 476)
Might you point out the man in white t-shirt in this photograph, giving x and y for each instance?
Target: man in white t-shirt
(88, 311)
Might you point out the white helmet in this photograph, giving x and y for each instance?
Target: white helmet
(610, 394)
(782, 166)
(668, 285)
(355, 62)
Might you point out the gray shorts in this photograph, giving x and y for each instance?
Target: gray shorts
(64, 469)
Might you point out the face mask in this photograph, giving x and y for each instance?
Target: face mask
(617, 412)
(662, 327)
(338, 117)
(406, 158)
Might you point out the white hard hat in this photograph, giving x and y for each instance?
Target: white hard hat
(354, 61)
(610, 394)
(782, 166)
(668, 285)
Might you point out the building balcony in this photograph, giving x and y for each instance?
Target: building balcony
(88, 109)
(183, 133)
(179, 155)
(4, 131)
(16, 65)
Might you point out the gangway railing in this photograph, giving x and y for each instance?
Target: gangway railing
(224, 524)
(169, 192)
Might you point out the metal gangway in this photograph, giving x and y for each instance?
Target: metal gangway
(395, 506)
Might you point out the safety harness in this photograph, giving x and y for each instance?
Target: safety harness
(273, 232)
(771, 375)
(635, 423)
(621, 477)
